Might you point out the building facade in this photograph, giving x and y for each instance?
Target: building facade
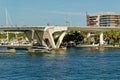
(103, 19)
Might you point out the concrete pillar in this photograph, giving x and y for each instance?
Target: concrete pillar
(39, 36)
(33, 33)
(88, 37)
(29, 35)
(7, 36)
(51, 39)
(101, 38)
(32, 36)
(60, 40)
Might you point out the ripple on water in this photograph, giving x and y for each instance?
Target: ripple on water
(74, 64)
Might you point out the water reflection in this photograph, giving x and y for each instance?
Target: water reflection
(49, 54)
(72, 64)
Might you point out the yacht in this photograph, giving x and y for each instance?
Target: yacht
(36, 48)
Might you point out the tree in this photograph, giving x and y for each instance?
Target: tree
(112, 37)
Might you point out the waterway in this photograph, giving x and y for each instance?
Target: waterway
(72, 64)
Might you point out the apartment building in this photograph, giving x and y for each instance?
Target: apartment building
(103, 19)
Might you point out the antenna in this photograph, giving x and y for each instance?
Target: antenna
(67, 20)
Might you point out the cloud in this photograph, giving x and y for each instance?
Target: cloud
(69, 13)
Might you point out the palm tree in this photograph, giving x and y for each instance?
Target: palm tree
(112, 37)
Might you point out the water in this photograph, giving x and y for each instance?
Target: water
(74, 64)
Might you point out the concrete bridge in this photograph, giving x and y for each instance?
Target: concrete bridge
(44, 34)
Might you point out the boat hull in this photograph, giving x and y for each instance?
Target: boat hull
(38, 51)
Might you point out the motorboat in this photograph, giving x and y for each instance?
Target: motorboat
(39, 49)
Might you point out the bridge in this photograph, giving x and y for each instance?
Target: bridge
(44, 34)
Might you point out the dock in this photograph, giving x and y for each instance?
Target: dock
(8, 51)
(98, 46)
(21, 46)
(87, 46)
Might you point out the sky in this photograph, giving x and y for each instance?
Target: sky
(53, 12)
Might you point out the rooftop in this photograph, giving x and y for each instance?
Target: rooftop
(104, 13)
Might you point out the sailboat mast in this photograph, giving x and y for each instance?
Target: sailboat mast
(6, 16)
(6, 22)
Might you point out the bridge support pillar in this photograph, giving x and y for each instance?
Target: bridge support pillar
(101, 38)
(49, 36)
(46, 36)
(33, 33)
(88, 37)
(51, 39)
(39, 36)
(29, 34)
(60, 40)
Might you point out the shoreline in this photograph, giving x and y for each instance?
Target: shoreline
(98, 46)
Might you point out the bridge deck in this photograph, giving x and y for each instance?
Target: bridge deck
(77, 28)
